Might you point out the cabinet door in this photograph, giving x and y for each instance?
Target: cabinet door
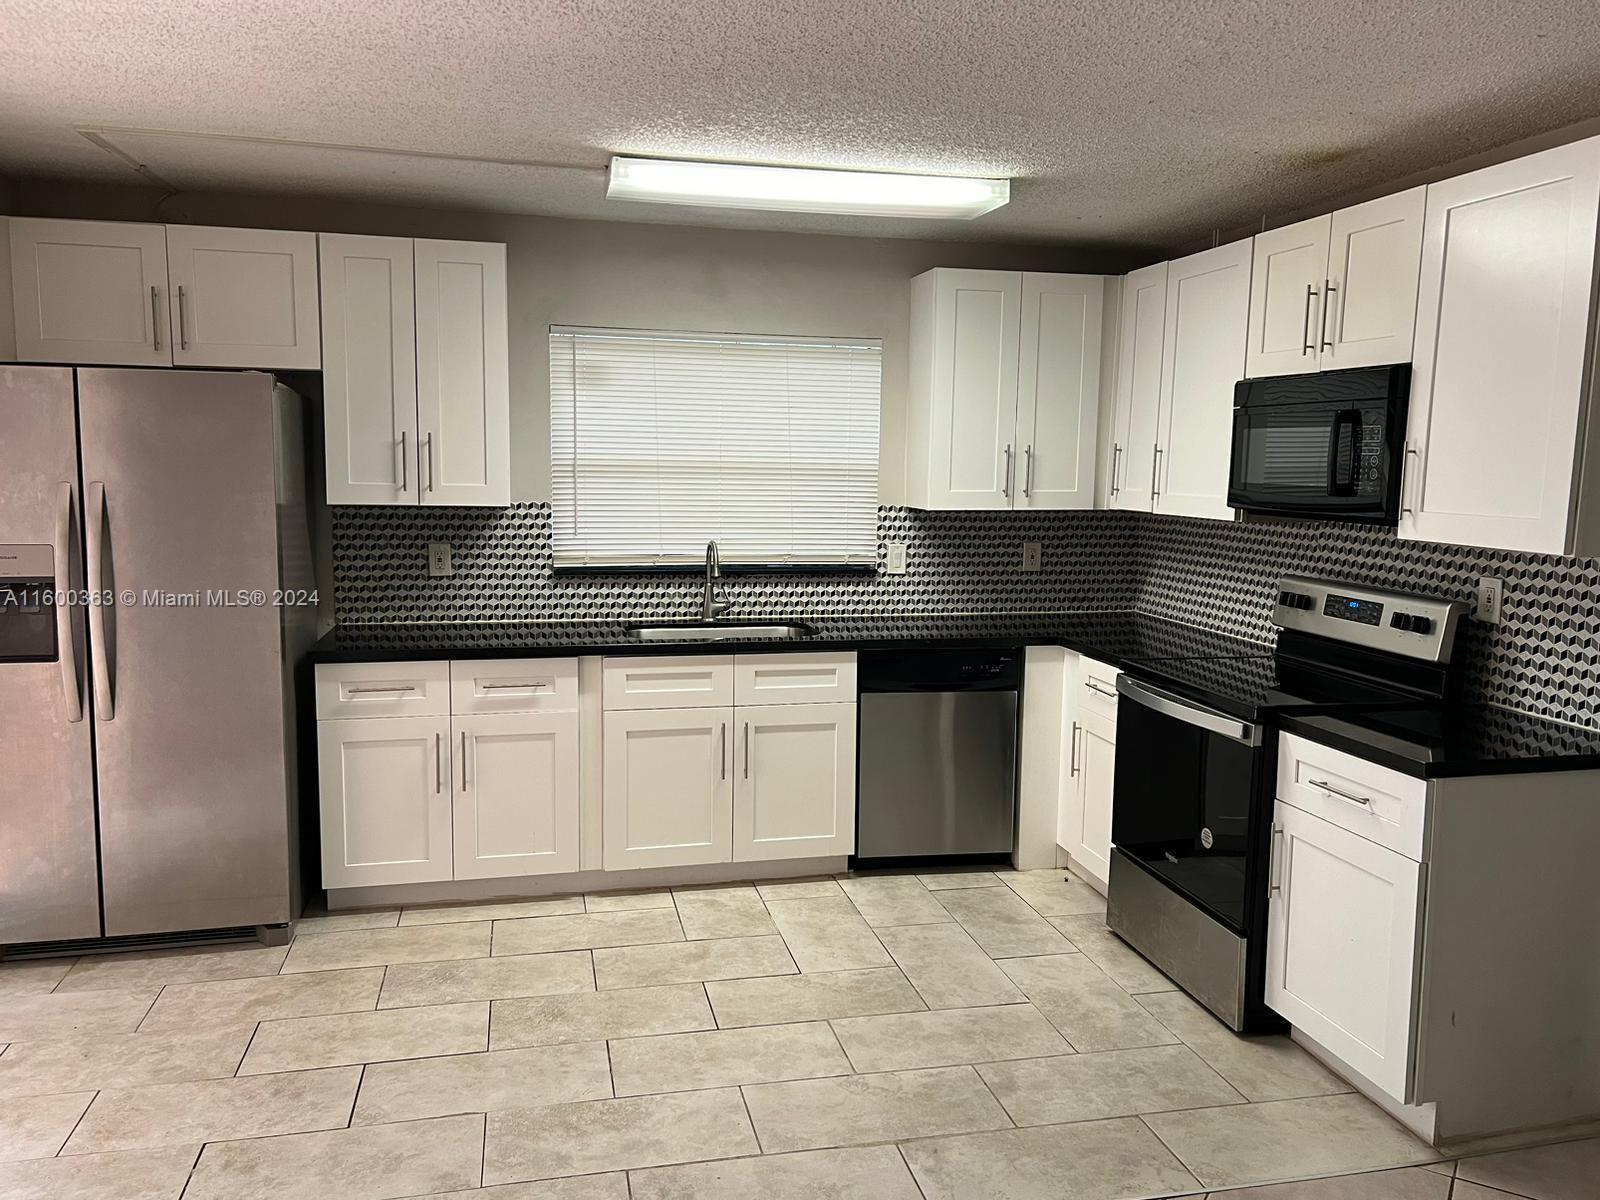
(1286, 302)
(90, 292)
(385, 786)
(796, 792)
(463, 393)
(1508, 258)
(1058, 390)
(1095, 763)
(973, 411)
(369, 369)
(244, 298)
(1139, 354)
(516, 794)
(1208, 308)
(1373, 257)
(668, 789)
(1342, 945)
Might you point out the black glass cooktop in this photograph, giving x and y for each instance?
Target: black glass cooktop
(1255, 686)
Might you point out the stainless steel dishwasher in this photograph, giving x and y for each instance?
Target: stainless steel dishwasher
(938, 754)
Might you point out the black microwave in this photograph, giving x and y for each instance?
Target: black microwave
(1329, 445)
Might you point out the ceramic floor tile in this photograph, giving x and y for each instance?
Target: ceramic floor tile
(893, 900)
(799, 889)
(386, 918)
(304, 1043)
(180, 1114)
(1262, 1067)
(615, 1135)
(32, 978)
(371, 1162)
(611, 1186)
(948, 1037)
(67, 1014)
(409, 984)
(1002, 923)
(1080, 1000)
(36, 1126)
(1126, 966)
(1098, 1160)
(682, 1062)
(184, 1006)
(377, 947)
(814, 1114)
(596, 1016)
(505, 910)
(722, 912)
(1565, 1171)
(119, 1060)
(877, 1172)
(692, 962)
(827, 935)
(948, 969)
(152, 968)
(1054, 893)
(1108, 1083)
(1471, 1191)
(818, 997)
(603, 902)
(632, 927)
(1407, 1183)
(1286, 1139)
(438, 1087)
(132, 1175)
(945, 880)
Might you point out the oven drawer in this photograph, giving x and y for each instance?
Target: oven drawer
(513, 685)
(1096, 684)
(1373, 802)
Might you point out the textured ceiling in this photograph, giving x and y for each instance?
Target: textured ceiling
(1120, 121)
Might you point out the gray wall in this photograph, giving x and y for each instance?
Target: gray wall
(641, 276)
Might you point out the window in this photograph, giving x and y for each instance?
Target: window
(661, 442)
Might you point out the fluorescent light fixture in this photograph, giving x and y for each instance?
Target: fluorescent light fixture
(803, 189)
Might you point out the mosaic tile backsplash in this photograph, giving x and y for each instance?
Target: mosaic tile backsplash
(1544, 658)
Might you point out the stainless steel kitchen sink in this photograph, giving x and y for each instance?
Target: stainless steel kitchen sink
(721, 631)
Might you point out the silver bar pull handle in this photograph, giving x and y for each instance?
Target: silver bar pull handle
(535, 684)
(1343, 795)
(438, 763)
(67, 651)
(1116, 461)
(1155, 477)
(405, 472)
(183, 319)
(1027, 473)
(1098, 690)
(722, 749)
(1330, 290)
(1005, 480)
(1274, 859)
(1073, 751)
(1405, 479)
(1306, 344)
(363, 691)
(747, 749)
(464, 784)
(155, 318)
(99, 657)
(427, 443)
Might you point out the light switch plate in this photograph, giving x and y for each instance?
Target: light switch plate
(1032, 556)
(1491, 600)
(439, 562)
(896, 558)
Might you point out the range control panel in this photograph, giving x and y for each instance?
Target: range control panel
(1422, 627)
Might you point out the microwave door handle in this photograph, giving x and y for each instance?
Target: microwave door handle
(1179, 709)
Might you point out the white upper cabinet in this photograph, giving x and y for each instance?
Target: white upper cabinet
(243, 298)
(1208, 309)
(463, 392)
(1498, 427)
(1005, 377)
(1138, 408)
(1286, 299)
(90, 292)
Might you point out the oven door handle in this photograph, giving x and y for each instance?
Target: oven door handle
(1189, 713)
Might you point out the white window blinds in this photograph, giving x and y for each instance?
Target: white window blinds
(661, 442)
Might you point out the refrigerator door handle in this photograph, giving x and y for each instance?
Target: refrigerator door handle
(100, 666)
(67, 652)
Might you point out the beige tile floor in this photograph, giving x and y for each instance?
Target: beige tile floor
(955, 1035)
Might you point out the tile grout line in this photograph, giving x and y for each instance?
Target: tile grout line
(915, 1182)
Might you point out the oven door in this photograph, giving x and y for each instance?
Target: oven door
(1331, 458)
(1187, 778)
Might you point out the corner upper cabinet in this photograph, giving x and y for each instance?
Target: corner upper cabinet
(243, 298)
(90, 292)
(1004, 389)
(1138, 392)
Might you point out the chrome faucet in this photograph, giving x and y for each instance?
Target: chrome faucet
(712, 604)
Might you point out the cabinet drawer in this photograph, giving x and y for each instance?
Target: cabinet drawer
(687, 681)
(409, 689)
(513, 685)
(794, 679)
(1097, 688)
(1373, 802)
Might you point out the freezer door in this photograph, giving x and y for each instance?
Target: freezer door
(178, 472)
(49, 885)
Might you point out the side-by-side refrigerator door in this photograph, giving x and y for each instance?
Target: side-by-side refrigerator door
(189, 715)
(49, 882)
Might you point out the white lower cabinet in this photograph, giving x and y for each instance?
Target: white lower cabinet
(385, 785)
(795, 792)
(668, 791)
(1084, 829)
(1343, 932)
(514, 785)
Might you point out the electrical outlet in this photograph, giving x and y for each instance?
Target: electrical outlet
(439, 562)
(896, 558)
(1490, 601)
(1032, 556)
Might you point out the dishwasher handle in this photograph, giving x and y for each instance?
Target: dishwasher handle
(1179, 709)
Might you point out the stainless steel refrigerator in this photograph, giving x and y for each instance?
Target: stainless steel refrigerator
(147, 743)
